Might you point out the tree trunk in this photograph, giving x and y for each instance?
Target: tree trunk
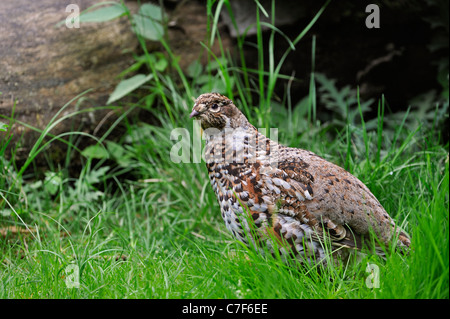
(42, 66)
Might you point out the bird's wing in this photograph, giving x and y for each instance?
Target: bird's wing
(291, 187)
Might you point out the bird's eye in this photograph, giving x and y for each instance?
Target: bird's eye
(215, 107)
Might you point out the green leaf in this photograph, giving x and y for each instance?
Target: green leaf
(151, 11)
(161, 65)
(217, 85)
(3, 127)
(52, 182)
(127, 86)
(93, 196)
(159, 61)
(217, 64)
(202, 79)
(103, 14)
(148, 28)
(194, 69)
(95, 151)
(116, 150)
(35, 185)
(119, 153)
(95, 176)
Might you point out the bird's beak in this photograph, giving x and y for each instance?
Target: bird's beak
(194, 114)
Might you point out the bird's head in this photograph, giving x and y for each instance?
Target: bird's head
(217, 111)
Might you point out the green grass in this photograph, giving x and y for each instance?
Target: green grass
(174, 244)
(138, 225)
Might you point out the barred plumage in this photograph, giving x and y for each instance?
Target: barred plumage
(289, 194)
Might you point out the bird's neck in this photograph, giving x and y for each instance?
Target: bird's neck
(235, 146)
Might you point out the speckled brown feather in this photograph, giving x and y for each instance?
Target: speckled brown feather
(291, 194)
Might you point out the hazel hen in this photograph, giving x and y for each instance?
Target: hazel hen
(296, 200)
